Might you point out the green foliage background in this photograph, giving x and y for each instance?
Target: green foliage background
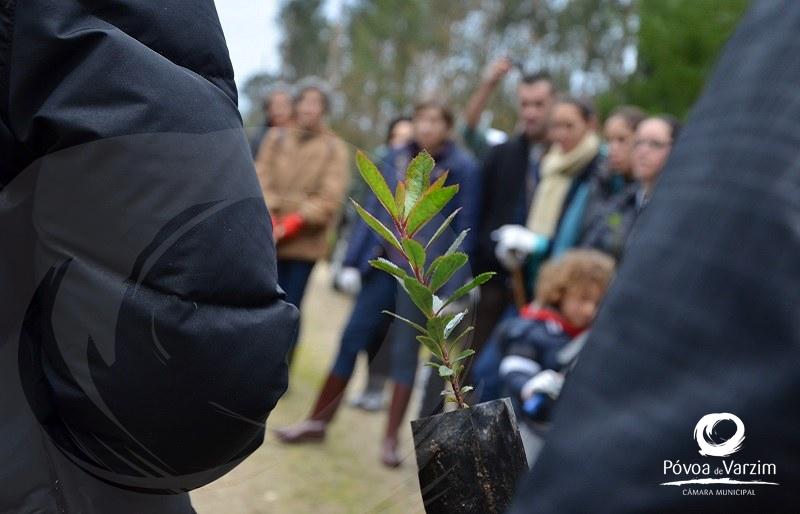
(383, 55)
(678, 43)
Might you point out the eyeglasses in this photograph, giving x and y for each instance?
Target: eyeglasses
(651, 144)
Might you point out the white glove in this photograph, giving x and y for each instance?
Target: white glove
(548, 382)
(348, 280)
(514, 244)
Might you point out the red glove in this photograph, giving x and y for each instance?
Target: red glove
(291, 223)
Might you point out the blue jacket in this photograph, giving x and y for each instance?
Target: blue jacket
(366, 245)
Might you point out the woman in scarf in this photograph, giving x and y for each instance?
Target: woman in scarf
(572, 160)
(565, 170)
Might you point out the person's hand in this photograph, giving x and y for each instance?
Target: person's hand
(277, 229)
(548, 382)
(348, 280)
(291, 225)
(515, 244)
(498, 69)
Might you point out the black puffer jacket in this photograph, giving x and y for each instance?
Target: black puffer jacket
(143, 336)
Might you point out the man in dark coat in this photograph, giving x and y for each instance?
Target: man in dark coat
(509, 175)
(143, 336)
(703, 317)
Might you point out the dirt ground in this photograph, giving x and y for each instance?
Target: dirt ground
(340, 476)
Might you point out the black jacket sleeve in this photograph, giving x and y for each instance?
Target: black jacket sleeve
(155, 344)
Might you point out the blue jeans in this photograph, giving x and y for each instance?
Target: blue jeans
(368, 324)
(293, 278)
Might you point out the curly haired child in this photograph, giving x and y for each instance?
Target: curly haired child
(543, 340)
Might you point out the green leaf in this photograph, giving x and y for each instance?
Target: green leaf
(439, 181)
(443, 227)
(445, 372)
(465, 289)
(420, 295)
(434, 365)
(461, 336)
(377, 226)
(429, 206)
(467, 389)
(389, 267)
(453, 323)
(436, 325)
(400, 199)
(443, 268)
(415, 253)
(418, 176)
(408, 321)
(431, 345)
(464, 354)
(457, 243)
(376, 182)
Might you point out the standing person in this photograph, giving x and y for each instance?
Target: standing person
(612, 177)
(143, 332)
(433, 123)
(652, 144)
(509, 175)
(278, 112)
(349, 279)
(617, 173)
(304, 176)
(566, 169)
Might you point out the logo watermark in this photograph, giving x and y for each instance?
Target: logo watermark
(716, 474)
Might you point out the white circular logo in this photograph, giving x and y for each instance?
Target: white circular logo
(704, 433)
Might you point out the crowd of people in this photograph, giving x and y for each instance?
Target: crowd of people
(550, 209)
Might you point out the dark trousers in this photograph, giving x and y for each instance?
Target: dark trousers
(379, 358)
(367, 324)
(293, 278)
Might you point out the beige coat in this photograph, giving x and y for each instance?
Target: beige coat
(307, 174)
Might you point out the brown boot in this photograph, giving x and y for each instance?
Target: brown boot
(401, 395)
(313, 428)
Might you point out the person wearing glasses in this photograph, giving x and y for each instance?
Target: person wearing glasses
(652, 144)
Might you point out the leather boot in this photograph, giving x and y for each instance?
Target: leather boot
(401, 395)
(313, 428)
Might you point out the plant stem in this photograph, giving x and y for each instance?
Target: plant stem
(453, 379)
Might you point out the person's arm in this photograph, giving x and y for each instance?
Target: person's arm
(516, 371)
(362, 240)
(468, 199)
(159, 326)
(266, 153)
(480, 98)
